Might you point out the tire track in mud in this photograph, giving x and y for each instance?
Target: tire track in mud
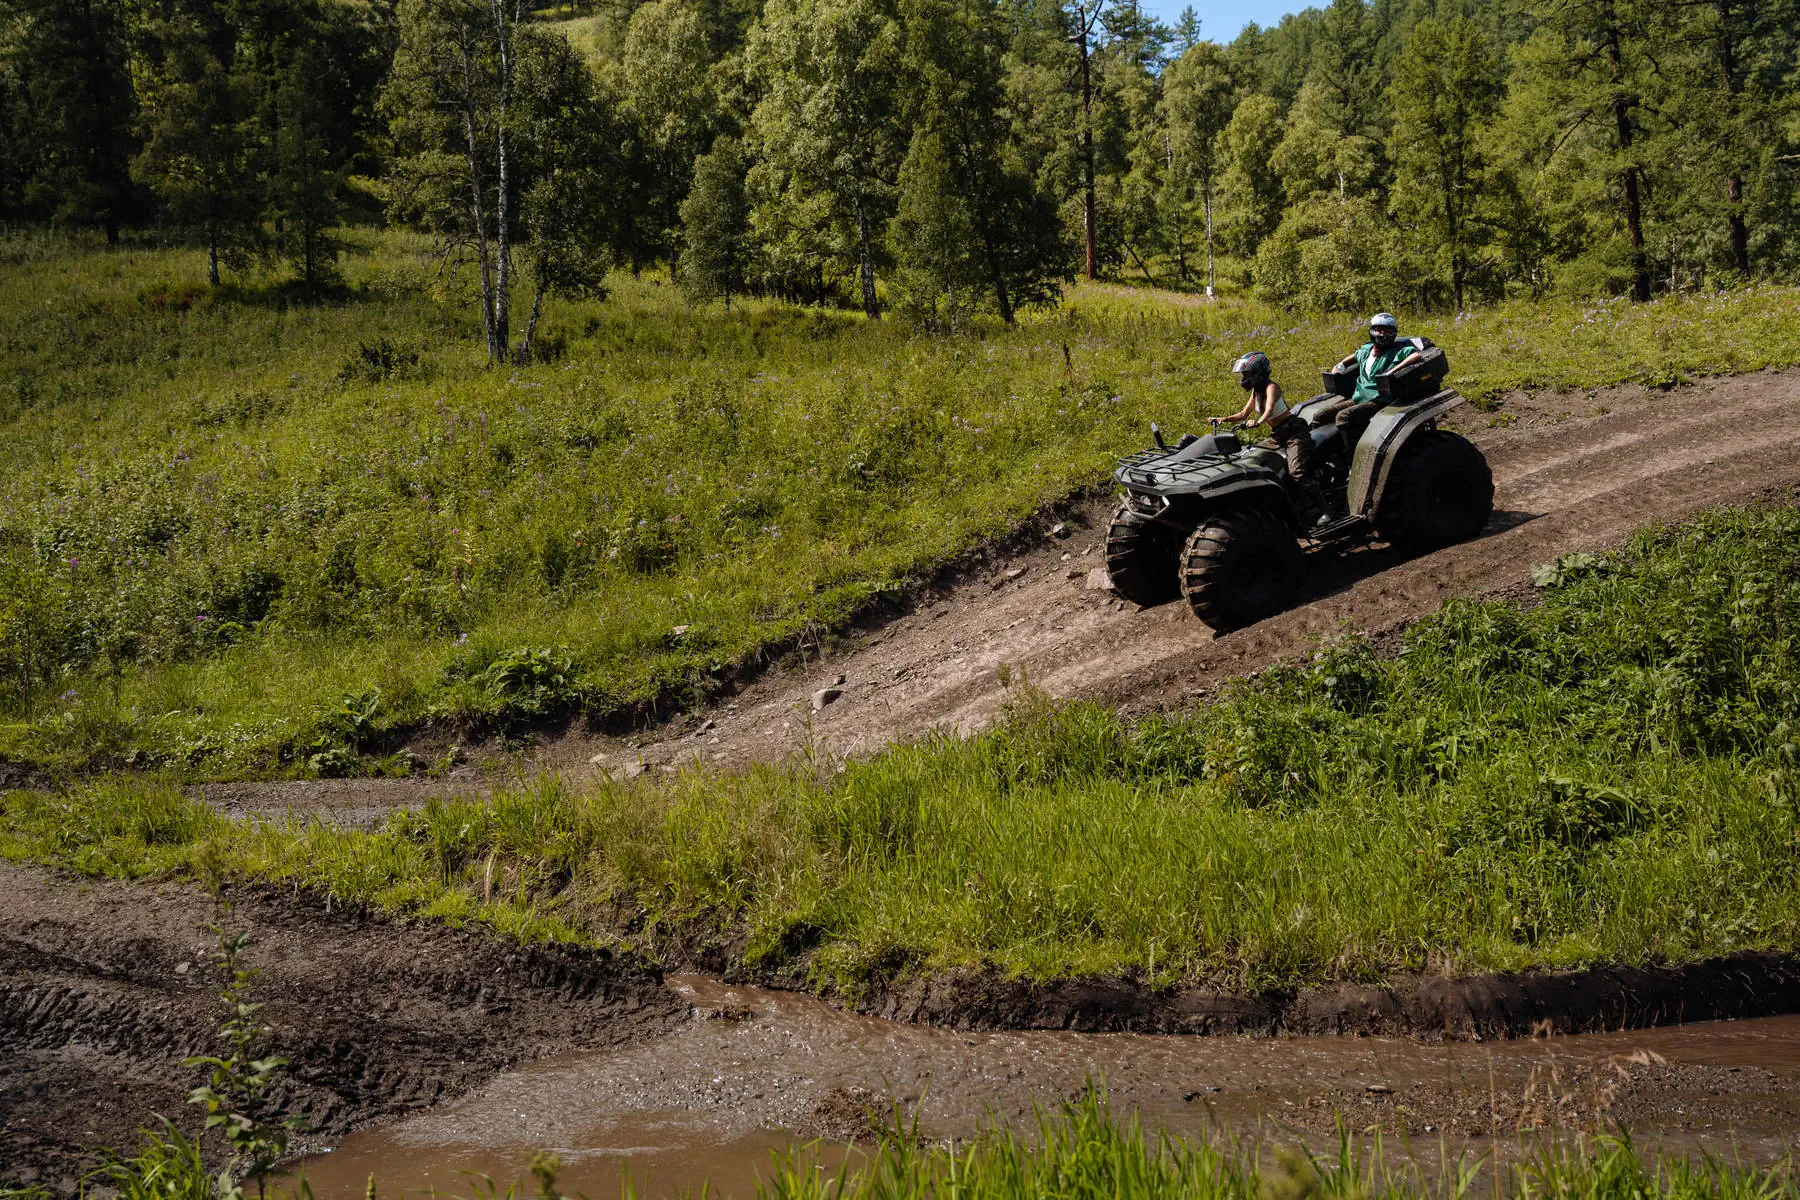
(106, 988)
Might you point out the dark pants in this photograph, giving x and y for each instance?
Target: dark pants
(1351, 418)
(1294, 436)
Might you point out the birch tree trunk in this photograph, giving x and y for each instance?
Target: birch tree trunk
(477, 202)
(502, 332)
(867, 262)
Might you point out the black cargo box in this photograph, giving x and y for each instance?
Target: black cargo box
(1340, 383)
(1423, 376)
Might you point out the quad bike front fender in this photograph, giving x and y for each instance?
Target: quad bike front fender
(1184, 510)
(1381, 443)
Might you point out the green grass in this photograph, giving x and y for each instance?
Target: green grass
(1606, 777)
(229, 518)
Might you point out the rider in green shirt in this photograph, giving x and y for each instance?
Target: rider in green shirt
(1382, 352)
(1352, 414)
(1375, 356)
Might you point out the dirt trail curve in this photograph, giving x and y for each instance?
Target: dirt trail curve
(1573, 472)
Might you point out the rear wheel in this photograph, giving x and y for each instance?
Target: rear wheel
(1241, 566)
(1441, 492)
(1142, 558)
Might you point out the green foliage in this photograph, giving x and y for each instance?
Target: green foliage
(1568, 568)
(167, 1166)
(973, 221)
(1080, 1151)
(529, 681)
(830, 133)
(1446, 89)
(715, 224)
(198, 137)
(233, 1095)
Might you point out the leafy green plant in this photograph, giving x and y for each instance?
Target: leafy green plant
(237, 1082)
(526, 681)
(1568, 568)
(376, 361)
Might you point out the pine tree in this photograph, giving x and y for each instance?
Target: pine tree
(1593, 63)
(1446, 89)
(78, 107)
(715, 225)
(306, 166)
(199, 138)
(970, 205)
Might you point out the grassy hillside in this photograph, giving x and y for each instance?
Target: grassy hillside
(239, 533)
(1606, 777)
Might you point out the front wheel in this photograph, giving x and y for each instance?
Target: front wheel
(1141, 558)
(1441, 492)
(1241, 567)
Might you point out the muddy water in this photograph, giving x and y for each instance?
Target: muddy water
(759, 1071)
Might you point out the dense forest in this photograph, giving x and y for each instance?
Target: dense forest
(939, 157)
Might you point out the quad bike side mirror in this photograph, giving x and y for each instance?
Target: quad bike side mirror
(1157, 437)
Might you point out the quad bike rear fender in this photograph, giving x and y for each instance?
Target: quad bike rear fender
(1382, 442)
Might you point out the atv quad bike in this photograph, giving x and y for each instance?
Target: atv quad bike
(1219, 523)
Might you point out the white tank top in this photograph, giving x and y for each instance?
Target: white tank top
(1278, 410)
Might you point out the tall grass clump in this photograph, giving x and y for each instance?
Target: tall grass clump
(225, 513)
(1607, 776)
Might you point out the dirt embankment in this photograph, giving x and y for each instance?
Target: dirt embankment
(1475, 1008)
(106, 988)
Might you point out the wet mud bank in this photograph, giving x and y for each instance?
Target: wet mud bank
(106, 987)
(1479, 1007)
(758, 1070)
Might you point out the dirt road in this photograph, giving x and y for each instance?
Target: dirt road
(466, 1052)
(1572, 472)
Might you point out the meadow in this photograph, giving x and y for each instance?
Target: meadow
(246, 534)
(1606, 776)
